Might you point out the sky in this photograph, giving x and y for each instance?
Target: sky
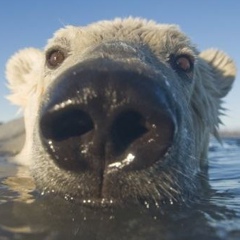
(209, 24)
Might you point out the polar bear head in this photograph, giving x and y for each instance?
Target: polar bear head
(119, 111)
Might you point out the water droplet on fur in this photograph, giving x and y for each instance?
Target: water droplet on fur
(68, 197)
(167, 83)
(115, 165)
(146, 204)
(121, 164)
(84, 149)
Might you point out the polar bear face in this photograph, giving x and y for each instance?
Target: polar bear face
(119, 111)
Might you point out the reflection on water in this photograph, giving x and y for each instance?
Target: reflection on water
(24, 215)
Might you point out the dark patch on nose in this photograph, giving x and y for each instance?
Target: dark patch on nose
(99, 113)
(65, 124)
(128, 127)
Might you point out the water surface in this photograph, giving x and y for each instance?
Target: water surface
(26, 215)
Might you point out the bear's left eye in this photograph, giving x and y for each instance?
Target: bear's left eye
(183, 64)
(55, 58)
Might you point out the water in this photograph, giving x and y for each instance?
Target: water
(24, 215)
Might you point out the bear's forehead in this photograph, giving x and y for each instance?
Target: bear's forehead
(159, 37)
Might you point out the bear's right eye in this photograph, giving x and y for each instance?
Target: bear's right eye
(55, 58)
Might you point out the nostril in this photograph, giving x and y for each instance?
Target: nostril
(65, 123)
(127, 127)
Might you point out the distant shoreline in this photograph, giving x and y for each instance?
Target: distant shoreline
(230, 134)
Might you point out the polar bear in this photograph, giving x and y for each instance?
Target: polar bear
(119, 112)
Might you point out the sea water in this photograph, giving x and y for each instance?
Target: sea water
(25, 215)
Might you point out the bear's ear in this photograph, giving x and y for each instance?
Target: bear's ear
(23, 72)
(222, 68)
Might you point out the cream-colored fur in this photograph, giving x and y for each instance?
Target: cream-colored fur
(214, 72)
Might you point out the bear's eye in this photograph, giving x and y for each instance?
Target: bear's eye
(55, 58)
(183, 64)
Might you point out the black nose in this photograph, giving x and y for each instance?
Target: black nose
(100, 116)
